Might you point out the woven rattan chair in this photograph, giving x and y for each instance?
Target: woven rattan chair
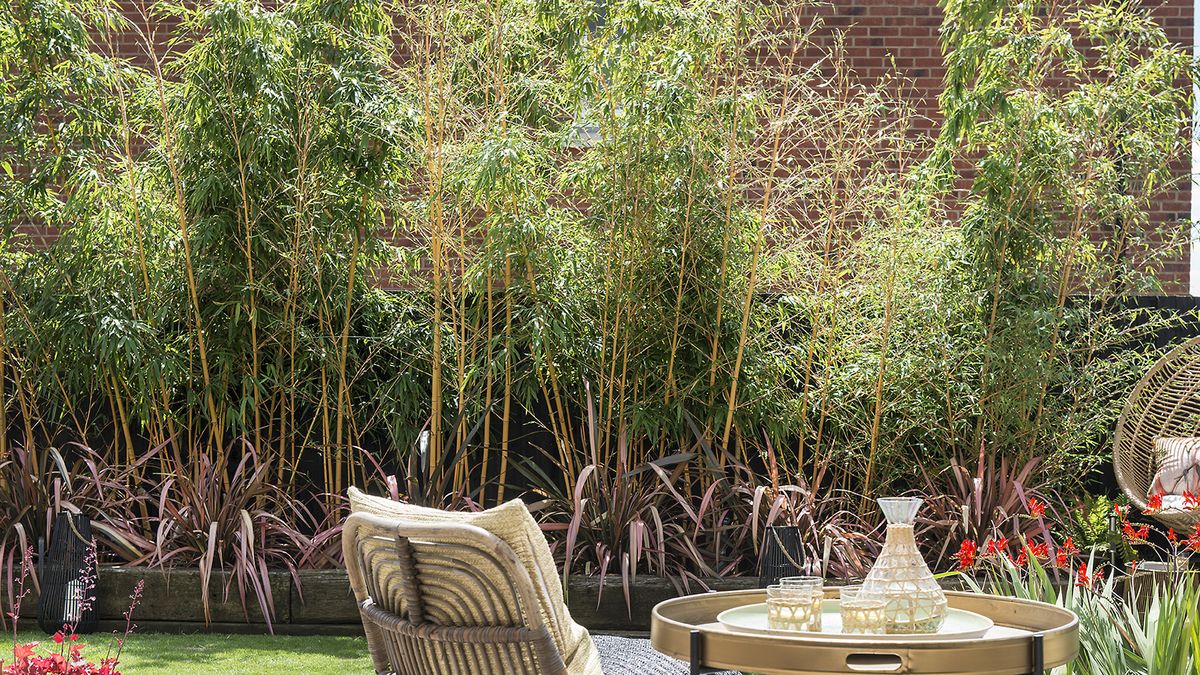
(446, 598)
(1164, 404)
(453, 599)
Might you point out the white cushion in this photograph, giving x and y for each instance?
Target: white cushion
(513, 524)
(1178, 466)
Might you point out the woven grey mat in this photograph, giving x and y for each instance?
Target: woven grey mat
(633, 656)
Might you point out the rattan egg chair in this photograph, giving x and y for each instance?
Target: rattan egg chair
(1165, 403)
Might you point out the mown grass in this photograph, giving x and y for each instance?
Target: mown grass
(212, 654)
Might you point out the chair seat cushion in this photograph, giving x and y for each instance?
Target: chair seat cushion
(1178, 467)
(631, 656)
(512, 523)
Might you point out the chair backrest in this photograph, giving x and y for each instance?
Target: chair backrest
(1164, 403)
(444, 598)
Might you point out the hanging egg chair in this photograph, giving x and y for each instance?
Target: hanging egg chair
(1164, 409)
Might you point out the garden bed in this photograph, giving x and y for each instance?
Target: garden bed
(322, 603)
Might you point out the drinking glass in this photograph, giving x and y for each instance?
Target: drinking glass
(862, 612)
(792, 607)
(815, 586)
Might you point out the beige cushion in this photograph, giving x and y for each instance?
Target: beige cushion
(514, 525)
(1178, 466)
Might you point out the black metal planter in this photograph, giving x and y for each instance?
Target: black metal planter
(66, 598)
(782, 555)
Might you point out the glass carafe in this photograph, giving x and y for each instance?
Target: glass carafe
(915, 602)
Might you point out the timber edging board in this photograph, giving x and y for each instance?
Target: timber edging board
(323, 604)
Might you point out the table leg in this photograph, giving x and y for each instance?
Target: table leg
(696, 645)
(1038, 654)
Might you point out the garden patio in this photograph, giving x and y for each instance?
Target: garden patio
(489, 337)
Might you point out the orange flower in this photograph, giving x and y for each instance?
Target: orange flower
(1153, 504)
(1037, 508)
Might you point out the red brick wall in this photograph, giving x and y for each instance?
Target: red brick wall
(879, 34)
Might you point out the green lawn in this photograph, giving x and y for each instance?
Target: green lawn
(210, 654)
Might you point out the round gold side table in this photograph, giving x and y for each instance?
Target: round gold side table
(1028, 637)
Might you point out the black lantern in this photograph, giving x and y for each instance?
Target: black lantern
(69, 577)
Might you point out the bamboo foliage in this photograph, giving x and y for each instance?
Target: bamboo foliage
(604, 228)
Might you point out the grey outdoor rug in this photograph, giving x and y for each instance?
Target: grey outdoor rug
(633, 656)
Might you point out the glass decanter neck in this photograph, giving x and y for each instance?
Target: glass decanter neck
(900, 510)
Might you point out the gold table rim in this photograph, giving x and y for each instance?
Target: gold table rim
(774, 654)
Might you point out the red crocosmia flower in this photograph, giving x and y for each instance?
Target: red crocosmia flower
(1171, 536)
(59, 637)
(1193, 540)
(1040, 551)
(1084, 580)
(1190, 500)
(1037, 508)
(72, 637)
(1135, 535)
(995, 547)
(1022, 559)
(966, 555)
(1153, 504)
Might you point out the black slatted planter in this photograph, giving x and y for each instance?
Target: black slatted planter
(65, 599)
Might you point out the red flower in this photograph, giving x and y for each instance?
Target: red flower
(995, 547)
(966, 555)
(1084, 580)
(1022, 559)
(1037, 508)
(1040, 551)
(1153, 504)
(1193, 540)
(1135, 535)
(1063, 555)
(1171, 536)
(1191, 501)
(59, 637)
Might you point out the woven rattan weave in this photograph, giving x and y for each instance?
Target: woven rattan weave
(448, 598)
(1165, 403)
